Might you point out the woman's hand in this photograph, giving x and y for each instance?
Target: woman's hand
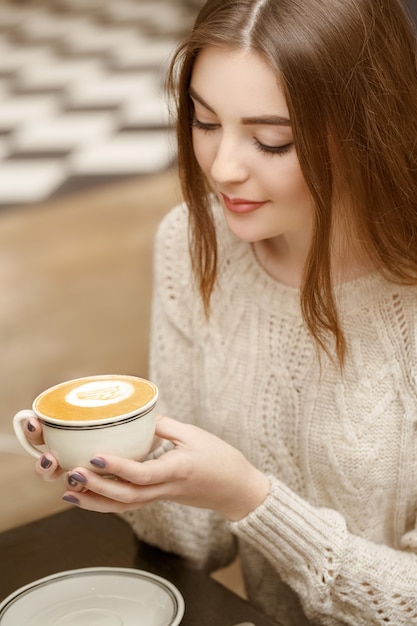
(201, 470)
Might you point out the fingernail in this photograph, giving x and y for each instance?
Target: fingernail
(98, 462)
(76, 478)
(30, 427)
(71, 499)
(45, 462)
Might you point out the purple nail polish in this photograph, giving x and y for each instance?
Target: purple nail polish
(30, 427)
(71, 499)
(98, 462)
(75, 478)
(45, 462)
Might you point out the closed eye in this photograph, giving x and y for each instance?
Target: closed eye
(273, 149)
(203, 126)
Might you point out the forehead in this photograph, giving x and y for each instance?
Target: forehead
(239, 80)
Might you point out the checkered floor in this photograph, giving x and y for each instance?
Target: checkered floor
(81, 92)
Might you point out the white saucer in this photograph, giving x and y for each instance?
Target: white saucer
(95, 596)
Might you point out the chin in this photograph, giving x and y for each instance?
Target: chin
(246, 228)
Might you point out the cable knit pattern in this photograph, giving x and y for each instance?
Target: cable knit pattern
(335, 542)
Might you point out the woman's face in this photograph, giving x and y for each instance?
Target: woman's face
(243, 142)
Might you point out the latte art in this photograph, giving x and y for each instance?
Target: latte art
(100, 393)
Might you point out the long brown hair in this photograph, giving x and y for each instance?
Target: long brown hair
(348, 69)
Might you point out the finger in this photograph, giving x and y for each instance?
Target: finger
(152, 472)
(47, 467)
(173, 430)
(114, 493)
(33, 431)
(95, 502)
(76, 481)
(125, 492)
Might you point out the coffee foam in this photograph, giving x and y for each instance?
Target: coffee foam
(95, 397)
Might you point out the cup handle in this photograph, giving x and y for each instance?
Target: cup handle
(18, 426)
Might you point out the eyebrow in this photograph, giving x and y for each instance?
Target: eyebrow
(272, 120)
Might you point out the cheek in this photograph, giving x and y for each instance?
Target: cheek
(287, 179)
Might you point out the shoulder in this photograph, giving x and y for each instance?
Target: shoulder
(378, 311)
(171, 249)
(174, 289)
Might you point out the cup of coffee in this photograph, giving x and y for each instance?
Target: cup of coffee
(81, 418)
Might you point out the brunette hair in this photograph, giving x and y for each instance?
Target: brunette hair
(348, 70)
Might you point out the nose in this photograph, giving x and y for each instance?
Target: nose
(228, 165)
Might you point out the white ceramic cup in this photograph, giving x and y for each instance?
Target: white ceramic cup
(86, 417)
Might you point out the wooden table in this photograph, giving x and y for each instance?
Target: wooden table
(77, 538)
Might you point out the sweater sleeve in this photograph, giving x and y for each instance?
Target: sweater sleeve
(200, 535)
(339, 577)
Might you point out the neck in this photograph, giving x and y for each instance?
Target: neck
(281, 259)
(285, 263)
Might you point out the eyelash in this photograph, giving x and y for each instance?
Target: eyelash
(269, 150)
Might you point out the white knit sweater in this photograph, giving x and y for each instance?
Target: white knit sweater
(338, 527)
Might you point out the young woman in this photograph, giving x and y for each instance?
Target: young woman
(285, 315)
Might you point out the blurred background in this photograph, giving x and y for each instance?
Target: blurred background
(87, 171)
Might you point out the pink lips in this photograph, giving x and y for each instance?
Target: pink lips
(240, 205)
